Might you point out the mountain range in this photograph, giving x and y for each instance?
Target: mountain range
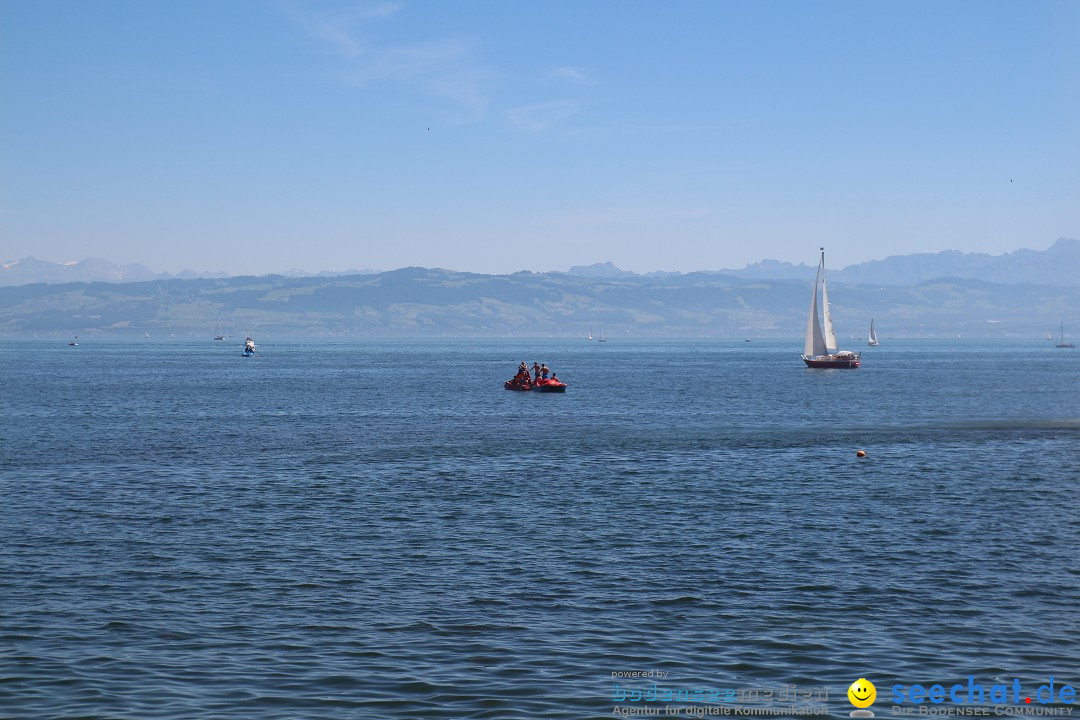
(1024, 293)
(1057, 265)
(31, 270)
(425, 302)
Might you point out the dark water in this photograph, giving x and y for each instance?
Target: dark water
(380, 530)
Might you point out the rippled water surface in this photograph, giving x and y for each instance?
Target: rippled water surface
(364, 530)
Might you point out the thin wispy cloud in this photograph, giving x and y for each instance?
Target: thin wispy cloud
(542, 116)
(613, 216)
(341, 29)
(448, 68)
(412, 62)
(573, 75)
(467, 90)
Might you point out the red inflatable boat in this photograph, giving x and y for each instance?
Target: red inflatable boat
(539, 386)
(543, 385)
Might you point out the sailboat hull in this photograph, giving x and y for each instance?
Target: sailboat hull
(831, 361)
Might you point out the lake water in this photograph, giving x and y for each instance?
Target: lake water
(371, 530)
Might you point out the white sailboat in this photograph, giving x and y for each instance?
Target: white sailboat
(1063, 344)
(873, 334)
(820, 350)
(590, 333)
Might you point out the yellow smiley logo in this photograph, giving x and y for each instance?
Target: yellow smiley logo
(862, 693)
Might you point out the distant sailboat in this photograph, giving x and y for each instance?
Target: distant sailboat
(601, 338)
(590, 334)
(873, 334)
(1063, 344)
(820, 350)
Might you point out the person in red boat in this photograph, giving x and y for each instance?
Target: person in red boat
(544, 371)
(521, 381)
(536, 371)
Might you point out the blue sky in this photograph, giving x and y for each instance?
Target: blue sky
(255, 137)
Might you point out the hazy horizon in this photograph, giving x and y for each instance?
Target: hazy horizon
(6, 262)
(253, 138)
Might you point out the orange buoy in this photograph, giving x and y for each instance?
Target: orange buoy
(860, 453)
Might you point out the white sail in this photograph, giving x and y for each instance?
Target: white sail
(815, 343)
(873, 333)
(830, 336)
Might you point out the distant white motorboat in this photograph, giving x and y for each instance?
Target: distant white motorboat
(873, 334)
(249, 347)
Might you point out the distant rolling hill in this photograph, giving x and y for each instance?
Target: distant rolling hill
(419, 301)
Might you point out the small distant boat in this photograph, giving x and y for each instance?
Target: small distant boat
(219, 337)
(146, 334)
(249, 347)
(873, 334)
(1063, 344)
(590, 334)
(820, 351)
(601, 338)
